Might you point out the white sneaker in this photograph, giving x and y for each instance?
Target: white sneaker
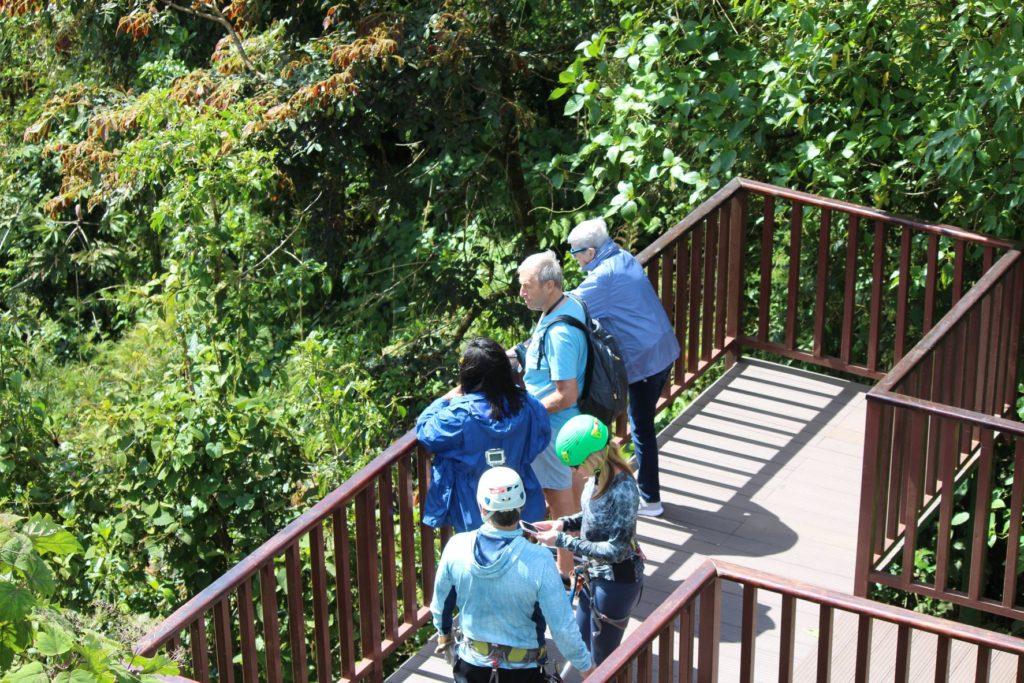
(646, 509)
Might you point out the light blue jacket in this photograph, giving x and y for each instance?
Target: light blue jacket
(618, 293)
(507, 591)
(458, 431)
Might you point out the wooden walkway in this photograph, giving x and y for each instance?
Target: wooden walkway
(762, 469)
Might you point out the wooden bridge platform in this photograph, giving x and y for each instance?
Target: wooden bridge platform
(763, 469)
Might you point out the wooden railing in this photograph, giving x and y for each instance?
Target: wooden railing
(936, 420)
(849, 320)
(366, 598)
(716, 275)
(685, 631)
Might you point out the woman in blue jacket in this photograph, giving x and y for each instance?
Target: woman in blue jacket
(486, 411)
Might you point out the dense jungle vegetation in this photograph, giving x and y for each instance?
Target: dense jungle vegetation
(241, 242)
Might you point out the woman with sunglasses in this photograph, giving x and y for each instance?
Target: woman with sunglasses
(612, 577)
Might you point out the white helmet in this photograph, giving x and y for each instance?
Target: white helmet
(500, 489)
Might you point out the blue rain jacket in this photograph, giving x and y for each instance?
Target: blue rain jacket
(457, 432)
(618, 293)
(507, 591)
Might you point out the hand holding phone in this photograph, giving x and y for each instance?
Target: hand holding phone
(528, 528)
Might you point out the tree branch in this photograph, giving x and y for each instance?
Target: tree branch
(213, 13)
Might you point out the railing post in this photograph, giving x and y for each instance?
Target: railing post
(710, 631)
(865, 522)
(737, 255)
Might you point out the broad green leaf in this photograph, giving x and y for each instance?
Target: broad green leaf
(690, 178)
(727, 159)
(629, 210)
(53, 641)
(76, 676)
(574, 104)
(61, 543)
(15, 602)
(17, 551)
(160, 665)
(9, 520)
(558, 92)
(163, 519)
(32, 672)
(39, 576)
(40, 526)
(959, 518)
(807, 22)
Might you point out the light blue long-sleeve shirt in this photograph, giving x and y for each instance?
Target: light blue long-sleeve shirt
(618, 293)
(507, 591)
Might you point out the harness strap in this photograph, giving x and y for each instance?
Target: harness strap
(501, 654)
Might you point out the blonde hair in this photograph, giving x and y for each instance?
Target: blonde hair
(614, 462)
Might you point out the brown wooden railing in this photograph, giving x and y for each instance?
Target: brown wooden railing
(366, 598)
(938, 419)
(685, 631)
(716, 275)
(850, 321)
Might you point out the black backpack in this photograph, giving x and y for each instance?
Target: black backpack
(606, 385)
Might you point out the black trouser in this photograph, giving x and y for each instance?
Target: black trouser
(468, 673)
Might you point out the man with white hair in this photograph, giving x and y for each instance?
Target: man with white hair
(617, 292)
(553, 370)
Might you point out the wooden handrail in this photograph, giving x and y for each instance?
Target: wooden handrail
(185, 615)
(871, 608)
(659, 619)
(998, 424)
(959, 310)
(712, 570)
(875, 214)
(691, 220)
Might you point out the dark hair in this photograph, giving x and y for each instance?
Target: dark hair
(485, 369)
(505, 517)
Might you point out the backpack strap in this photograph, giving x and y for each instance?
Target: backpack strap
(585, 329)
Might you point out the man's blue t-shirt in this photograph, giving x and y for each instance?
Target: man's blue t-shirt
(565, 357)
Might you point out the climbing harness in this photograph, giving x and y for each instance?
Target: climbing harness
(582, 578)
(506, 654)
(500, 654)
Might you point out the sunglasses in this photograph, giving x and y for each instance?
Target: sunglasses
(578, 251)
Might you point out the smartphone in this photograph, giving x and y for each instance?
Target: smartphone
(528, 528)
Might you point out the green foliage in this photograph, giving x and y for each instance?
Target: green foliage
(223, 288)
(227, 281)
(908, 106)
(39, 643)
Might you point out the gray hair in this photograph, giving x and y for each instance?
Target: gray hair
(589, 234)
(546, 265)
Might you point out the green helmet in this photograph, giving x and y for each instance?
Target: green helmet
(579, 437)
